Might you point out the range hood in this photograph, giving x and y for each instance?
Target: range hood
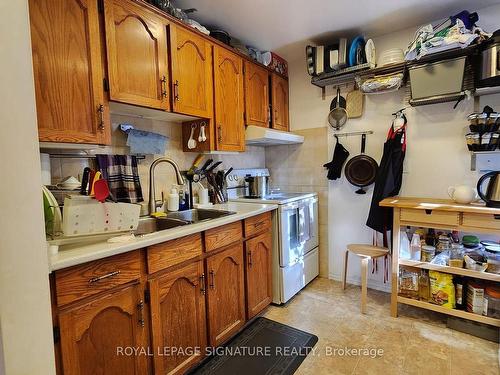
(258, 136)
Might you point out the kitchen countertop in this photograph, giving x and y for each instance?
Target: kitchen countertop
(71, 255)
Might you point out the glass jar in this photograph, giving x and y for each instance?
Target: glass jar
(427, 253)
(456, 256)
(444, 243)
(492, 301)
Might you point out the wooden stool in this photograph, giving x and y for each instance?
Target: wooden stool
(366, 252)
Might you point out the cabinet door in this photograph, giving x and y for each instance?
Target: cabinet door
(258, 273)
(279, 102)
(178, 318)
(95, 335)
(68, 71)
(226, 299)
(192, 85)
(256, 95)
(229, 107)
(137, 55)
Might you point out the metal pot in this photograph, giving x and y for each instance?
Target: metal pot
(489, 72)
(258, 186)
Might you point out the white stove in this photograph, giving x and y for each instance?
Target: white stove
(295, 233)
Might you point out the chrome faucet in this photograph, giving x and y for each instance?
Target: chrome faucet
(153, 205)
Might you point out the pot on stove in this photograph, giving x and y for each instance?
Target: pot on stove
(258, 186)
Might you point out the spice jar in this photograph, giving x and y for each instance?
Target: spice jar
(444, 243)
(456, 256)
(427, 253)
(491, 306)
(473, 118)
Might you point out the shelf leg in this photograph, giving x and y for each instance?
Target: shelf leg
(364, 282)
(396, 229)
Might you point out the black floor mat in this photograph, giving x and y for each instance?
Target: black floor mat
(264, 347)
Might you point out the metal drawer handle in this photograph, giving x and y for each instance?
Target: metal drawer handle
(140, 307)
(176, 90)
(219, 131)
(107, 276)
(100, 111)
(212, 283)
(250, 259)
(202, 282)
(164, 86)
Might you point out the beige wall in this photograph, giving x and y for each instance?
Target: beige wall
(25, 322)
(436, 158)
(254, 157)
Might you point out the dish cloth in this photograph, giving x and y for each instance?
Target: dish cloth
(143, 142)
(340, 155)
(122, 175)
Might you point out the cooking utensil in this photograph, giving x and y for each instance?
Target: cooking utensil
(215, 165)
(101, 190)
(338, 113)
(202, 137)
(489, 71)
(191, 142)
(205, 166)
(85, 181)
(227, 172)
(258, 186)
(361, 170)
(354, 105)
(97, 177)
(492, 194)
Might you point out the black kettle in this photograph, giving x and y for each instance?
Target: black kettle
(492, 195)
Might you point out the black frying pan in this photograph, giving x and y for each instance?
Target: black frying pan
(361, 170)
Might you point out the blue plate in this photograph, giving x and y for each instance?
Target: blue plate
(357, 42)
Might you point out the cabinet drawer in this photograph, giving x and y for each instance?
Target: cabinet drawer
(173, 252)
(90, 278)
(257, 224)
(430, 216)
(480, 221)
(222, 236)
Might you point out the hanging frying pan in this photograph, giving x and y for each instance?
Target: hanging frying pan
(338, 113)
(361, 170)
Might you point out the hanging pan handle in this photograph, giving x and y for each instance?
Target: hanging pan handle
(363, 143)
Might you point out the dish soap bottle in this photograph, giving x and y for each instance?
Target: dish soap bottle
(173, 200)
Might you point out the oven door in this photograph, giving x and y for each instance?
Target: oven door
(290, 249)
(308, 224)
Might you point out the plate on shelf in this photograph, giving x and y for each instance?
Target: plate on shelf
(356, 51)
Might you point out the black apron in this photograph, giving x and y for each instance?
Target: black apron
(389, 180)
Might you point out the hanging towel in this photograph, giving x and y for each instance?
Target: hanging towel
(122, 175)
(143, 142)
(340, 155)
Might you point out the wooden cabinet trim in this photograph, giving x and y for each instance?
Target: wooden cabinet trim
(256, 95)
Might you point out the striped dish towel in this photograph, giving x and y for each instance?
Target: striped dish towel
(122, 175)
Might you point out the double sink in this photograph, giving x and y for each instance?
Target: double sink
(177, 219)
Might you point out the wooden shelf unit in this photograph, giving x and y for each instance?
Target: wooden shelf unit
(418, 212)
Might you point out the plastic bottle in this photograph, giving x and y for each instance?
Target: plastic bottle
(173, 200)
(415, 247)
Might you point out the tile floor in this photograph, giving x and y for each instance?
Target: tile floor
(417, 342)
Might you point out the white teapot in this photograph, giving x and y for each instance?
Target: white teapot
(462, 194)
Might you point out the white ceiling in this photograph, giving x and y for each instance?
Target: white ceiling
(271, 24)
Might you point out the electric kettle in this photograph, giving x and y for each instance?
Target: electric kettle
(492, 195)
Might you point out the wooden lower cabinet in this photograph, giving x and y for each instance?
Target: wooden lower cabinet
(96, 335)
(178, 318)
(258, 282)
(225, 294)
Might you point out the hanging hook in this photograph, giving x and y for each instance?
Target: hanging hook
(337, 138)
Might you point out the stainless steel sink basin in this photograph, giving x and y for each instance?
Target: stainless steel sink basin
(154, 224)
(149, 225)
(196, 215)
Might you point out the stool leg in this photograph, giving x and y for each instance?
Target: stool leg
(344, 275)
(364, 287)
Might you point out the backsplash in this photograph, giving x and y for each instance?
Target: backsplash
(253, 157)
(299, 168)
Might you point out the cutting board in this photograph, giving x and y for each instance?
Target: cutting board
(355, 102)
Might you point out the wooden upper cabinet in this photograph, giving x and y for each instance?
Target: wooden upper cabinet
(68, 71)
(178, 318)
(279, 101)
(256, 95)
(229, 106)
(259, 273)
(192, 84)
(93, 333)
(226, 295)
(137, 55)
